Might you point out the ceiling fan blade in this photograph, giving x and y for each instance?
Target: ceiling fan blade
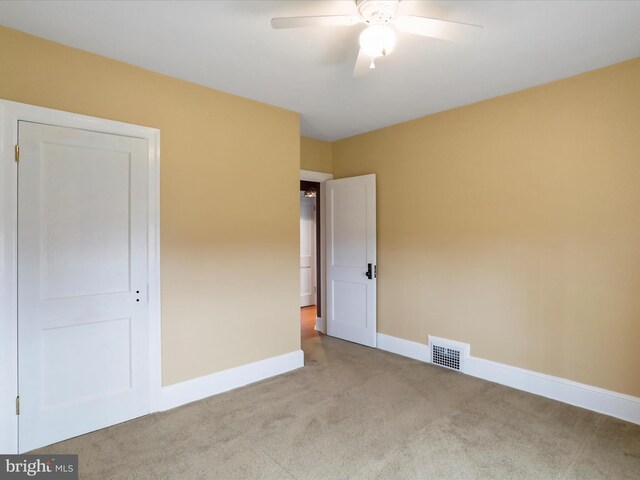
(435, 28)
(315, 21)
(363, 64)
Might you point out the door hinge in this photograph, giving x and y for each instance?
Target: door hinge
(18, 405)
(17, 153)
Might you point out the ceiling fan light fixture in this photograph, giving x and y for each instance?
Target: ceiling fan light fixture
(377, 40)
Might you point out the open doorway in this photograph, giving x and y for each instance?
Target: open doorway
(310, 251)
(316, 180)
(308, 259)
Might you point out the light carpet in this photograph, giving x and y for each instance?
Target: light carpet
(358, 413)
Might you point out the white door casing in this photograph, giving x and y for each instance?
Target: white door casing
(351, 256)
(11, 115)
(82, 282)
(307, 251)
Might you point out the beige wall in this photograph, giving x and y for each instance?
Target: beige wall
(514, 224)
(510, 224)
(315, 155)
(229, 257)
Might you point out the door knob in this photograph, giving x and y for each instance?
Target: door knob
(369, 273)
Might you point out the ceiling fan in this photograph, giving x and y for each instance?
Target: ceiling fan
(379, 38)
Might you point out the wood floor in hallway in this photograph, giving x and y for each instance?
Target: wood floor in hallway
(308, 322)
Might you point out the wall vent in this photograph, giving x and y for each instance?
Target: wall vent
(445, 357)
(448, 353)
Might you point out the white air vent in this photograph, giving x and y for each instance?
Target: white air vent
(446, 357)
(448, 353)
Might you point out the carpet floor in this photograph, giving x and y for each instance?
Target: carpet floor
(360, 413)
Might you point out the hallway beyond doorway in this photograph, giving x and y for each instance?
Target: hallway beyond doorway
(308, 322)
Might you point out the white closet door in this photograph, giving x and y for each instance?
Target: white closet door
(82, 282)
(351, 259)
(307, 251)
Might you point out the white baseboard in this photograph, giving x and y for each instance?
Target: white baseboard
(403, 347)
(202, 387)
(619, 405)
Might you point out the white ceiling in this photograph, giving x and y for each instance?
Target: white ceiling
(230, 46)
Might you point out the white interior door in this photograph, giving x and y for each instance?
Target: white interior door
(351, 259)
(307, 251)
(82, 282)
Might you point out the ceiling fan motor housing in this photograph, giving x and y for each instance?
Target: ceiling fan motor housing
(377, 12)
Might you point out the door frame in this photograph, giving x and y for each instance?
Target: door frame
(10, 114)
(320, 177)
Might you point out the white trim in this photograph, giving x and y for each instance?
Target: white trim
(154, 277)
(619, 405)
(8, 283)
(319, 177)
(592, 398)
(10, 114)
(202, 387)
(403, 347)
(321, 325)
